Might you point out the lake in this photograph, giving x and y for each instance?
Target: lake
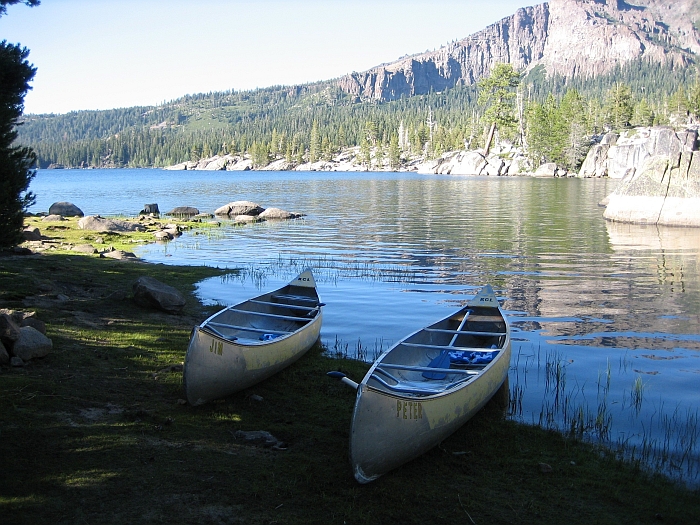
(605, 316)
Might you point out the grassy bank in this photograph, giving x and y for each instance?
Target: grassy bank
(97, 431)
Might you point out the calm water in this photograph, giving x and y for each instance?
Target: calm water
(605, 316)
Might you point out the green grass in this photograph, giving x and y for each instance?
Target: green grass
(97, 432)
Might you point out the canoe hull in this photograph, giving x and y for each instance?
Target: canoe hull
(428, 385)
(389, 430)
(244, 344)
(217, 368)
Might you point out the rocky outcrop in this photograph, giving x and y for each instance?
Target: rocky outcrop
(566, 37)
(216, 163)
(618, 155)
(501, 161)
(661, 181)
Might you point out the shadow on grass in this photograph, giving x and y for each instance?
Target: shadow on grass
(97, 432)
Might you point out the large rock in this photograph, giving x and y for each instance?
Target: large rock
(66, 209)
(100, 224)
(468, 163)
(594, 164)
(31, 344)
(240, 208)
(277, 213)
(150, 209)
(31, 234)
(617, 155)
(119, 255)
(151, 293)
(548, 169)
(9, 329)
(662, 191)
(183, 211)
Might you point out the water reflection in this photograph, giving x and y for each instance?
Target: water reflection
(605, 316)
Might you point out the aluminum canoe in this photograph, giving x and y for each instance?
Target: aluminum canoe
(246, 343)
(427, 385)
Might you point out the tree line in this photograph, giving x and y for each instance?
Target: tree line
(554, 118)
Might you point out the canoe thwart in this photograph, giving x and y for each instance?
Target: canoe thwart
(458, 371)
(450, 348)
(216, 332)
(285, 305)
(465, 332)
(301, 298)
(276, 316)
(245, 329)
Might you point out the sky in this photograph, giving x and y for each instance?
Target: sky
(104, 54)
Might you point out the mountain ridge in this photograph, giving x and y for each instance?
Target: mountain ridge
(567, 37)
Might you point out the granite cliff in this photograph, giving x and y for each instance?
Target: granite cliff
(566, 37)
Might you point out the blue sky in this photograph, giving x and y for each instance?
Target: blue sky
(102, 54)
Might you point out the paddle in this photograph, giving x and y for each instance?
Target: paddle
(345, 379)
(443, 359)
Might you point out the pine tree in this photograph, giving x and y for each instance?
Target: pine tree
(619, 106)
(315, 143)
(16, 162)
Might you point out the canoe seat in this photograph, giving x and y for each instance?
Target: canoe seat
(449, 347)
(424, 388)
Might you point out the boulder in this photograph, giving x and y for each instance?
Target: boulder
(468, 163)
(54, 217)
(548, 169)
(35, 323)
(9, 329)
(150, 209)
(84, 248)
(163, 235)
(31, 234)
(100, 224)
(246, 219)
(240, 208)
(118, 254)
(240, 165)
(277, 213)
(66, 209)
(151, 293)
(31, 344)
(183, 211)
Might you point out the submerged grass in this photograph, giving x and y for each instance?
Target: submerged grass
(97, 432)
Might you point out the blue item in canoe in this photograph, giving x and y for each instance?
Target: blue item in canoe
(268, 337)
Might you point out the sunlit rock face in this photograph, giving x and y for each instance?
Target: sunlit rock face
(566, 37)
